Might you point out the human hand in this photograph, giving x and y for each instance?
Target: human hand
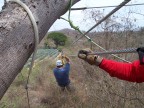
(91, 59)
(84, 54)
(66, 58)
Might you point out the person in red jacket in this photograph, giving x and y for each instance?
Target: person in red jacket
(133, 72)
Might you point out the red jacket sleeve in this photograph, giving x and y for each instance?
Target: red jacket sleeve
(133, 72)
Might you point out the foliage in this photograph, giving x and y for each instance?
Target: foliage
(58, 38)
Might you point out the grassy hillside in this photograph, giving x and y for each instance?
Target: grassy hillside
(94, 87)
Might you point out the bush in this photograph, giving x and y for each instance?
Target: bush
(58, 38)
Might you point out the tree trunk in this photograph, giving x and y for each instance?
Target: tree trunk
(17, 35)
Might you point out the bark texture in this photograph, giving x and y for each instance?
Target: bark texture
(17, 35)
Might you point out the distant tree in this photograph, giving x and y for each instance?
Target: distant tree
(58, 38)
(141, 30)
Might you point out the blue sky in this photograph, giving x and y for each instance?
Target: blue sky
(78, 16)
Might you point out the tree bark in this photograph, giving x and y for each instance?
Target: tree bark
(17, 35)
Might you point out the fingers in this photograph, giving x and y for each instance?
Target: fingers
(82, 56)
(91, 59)
(63, 56)
(83, 53)
(88, 50)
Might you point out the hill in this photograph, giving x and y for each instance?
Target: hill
(94, 87)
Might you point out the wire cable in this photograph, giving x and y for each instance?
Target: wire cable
(129, 50)
(83, 8)
(107, 51)
(103, 19)
(76, 28)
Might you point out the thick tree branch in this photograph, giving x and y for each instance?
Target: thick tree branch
(17, 35)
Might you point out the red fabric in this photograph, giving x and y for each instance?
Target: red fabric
(133, 72)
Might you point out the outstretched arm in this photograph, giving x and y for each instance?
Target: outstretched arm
(67, 65)
(133, 72)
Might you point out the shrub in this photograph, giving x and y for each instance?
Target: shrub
(58, 38)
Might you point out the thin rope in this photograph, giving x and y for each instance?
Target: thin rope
(89, 39)
(103, 19)
(83, 8)
(36, 40)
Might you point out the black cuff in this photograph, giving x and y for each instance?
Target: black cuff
(141, 55)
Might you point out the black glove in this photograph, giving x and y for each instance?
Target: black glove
(141, 55)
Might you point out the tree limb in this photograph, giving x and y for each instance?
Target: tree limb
(17, 35)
